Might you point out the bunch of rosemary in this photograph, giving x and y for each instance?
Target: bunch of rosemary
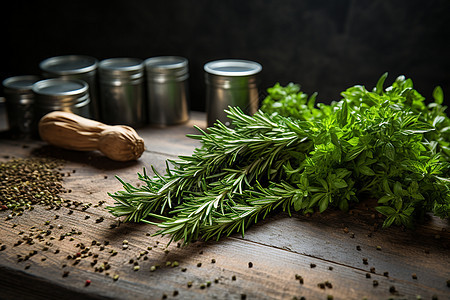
(296, 155)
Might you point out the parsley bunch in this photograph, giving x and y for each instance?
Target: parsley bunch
(296, 155)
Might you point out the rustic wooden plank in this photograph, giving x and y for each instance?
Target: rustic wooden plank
(172, 140)
(279, 247)
(272, 275)
(423, 252)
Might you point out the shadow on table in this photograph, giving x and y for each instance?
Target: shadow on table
(91, 158)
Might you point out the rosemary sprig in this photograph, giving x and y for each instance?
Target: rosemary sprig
(292, 155)
(219, 160)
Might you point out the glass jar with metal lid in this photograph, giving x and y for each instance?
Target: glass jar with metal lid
(75, 67)
(167, 89)
(230, 82)
(20, 103)
(61, 94)
(122, 91)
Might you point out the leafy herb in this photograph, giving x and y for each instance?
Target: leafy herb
(292, 155)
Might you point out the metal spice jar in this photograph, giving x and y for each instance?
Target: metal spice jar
(79, 67)
(63, 95)
(122, 91)
(230, 82)
(167, 90)
(20, 102)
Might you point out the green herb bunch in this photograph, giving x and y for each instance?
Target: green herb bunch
(296, 155)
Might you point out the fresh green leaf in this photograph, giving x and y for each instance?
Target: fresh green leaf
(385, 210)
(380, 83)
(365, 170)
(438, 95)
(340, 183)
(389, 151)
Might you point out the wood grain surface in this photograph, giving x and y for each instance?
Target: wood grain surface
(82, 252)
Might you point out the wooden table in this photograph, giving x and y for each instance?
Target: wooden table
(333, 255)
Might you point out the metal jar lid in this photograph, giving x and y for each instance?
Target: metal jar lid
(121, 69)
(233, 67)
(163, 68)
(69, 65)
(232, 73)
(60, 90)
(20, 84)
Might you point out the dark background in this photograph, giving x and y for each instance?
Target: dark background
(326, 46)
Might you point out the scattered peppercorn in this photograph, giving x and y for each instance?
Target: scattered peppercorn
(250, 264)
(312, 265)
(299, 278)
(29, 181)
